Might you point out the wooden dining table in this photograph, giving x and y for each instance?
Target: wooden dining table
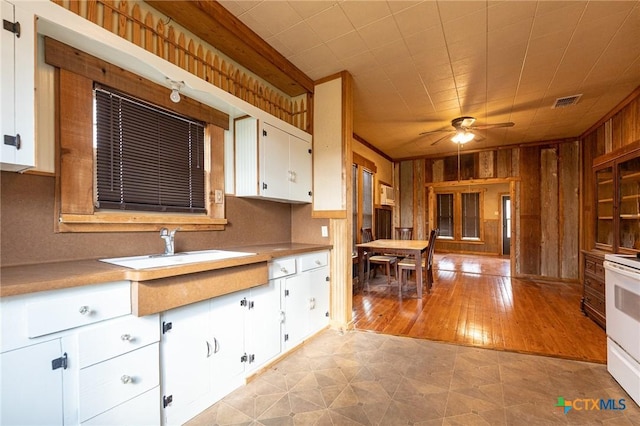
(415, 248)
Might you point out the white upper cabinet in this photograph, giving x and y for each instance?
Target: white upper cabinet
(17, 76)
(271, 163)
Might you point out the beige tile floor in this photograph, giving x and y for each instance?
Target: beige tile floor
(363, 378)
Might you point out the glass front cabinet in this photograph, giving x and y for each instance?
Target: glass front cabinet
(628, 175)
(618, 202)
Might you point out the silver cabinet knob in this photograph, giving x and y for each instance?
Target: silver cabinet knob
(284, 270)
(126, 338)
(126, 379)
(84, 310)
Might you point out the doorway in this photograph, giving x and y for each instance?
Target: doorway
(506, 224)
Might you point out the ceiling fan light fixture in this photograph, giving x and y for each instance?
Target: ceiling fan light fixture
(462, 137)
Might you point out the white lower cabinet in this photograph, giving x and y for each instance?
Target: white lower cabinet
(305, 298)
(185, 351)
(201, 351)
(31, 389)
(208, 348)
(78, 356)
(263, 321)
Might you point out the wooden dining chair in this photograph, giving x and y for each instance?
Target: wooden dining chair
(404, 233)
(409, 264)
(378, 260)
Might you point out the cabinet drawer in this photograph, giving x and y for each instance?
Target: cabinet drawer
(141, 410)
(594, 266)
(82, 306)
(596, 285)
(594, 301)
(282, 267)
(314, 260)
(116, 337)
(110, 383)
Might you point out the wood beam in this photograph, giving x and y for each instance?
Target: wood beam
(214, 24)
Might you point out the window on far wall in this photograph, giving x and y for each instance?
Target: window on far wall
(147, 158)
(362, 201)
(445, 215)
(470, 215)
(362, 182)
(459, 215)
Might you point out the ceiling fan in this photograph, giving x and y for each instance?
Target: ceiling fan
(463, 128)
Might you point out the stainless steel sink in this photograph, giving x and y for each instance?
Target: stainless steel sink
(156, 261)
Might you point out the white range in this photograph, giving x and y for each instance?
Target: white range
(622, 285)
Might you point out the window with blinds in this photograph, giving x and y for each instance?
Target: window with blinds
(147, 158)
(470, 215)
(445, 215)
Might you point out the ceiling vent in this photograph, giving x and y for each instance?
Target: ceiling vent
(566, 101)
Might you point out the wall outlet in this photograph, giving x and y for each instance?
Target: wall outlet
(218, 196)
(324, 230)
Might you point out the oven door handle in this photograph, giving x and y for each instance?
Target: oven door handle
(621, 269)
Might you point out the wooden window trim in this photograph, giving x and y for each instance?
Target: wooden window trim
(75, 183)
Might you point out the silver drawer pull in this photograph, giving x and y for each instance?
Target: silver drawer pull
(284, 270)
(126, 338)
(126, 379)
(84, 310)
(318, 262)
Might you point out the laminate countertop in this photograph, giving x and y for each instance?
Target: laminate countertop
(25, 279)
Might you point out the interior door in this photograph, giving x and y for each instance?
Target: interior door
(506, 225)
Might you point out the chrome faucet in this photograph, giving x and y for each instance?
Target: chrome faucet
(169, 241)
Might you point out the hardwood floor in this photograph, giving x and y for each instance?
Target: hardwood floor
(475, 302)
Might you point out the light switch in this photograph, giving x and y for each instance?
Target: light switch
(218, 196)
(325, 231)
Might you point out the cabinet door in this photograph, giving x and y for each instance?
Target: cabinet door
(274, 162)
(296, 303)
(629, 204)
(31, 389)
(227, 342)
(300, 173)
(186, 367)
(319, 288)
(17, 76)
(262, 325)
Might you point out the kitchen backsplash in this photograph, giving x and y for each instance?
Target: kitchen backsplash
(28, 219)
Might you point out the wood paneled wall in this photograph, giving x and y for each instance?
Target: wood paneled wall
(545, 203)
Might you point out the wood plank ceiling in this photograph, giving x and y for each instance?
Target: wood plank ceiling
(419, 64)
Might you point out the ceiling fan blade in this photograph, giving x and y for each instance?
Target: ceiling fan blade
(478, 138)
(492, 126)
(440, 139)
(434, 131)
